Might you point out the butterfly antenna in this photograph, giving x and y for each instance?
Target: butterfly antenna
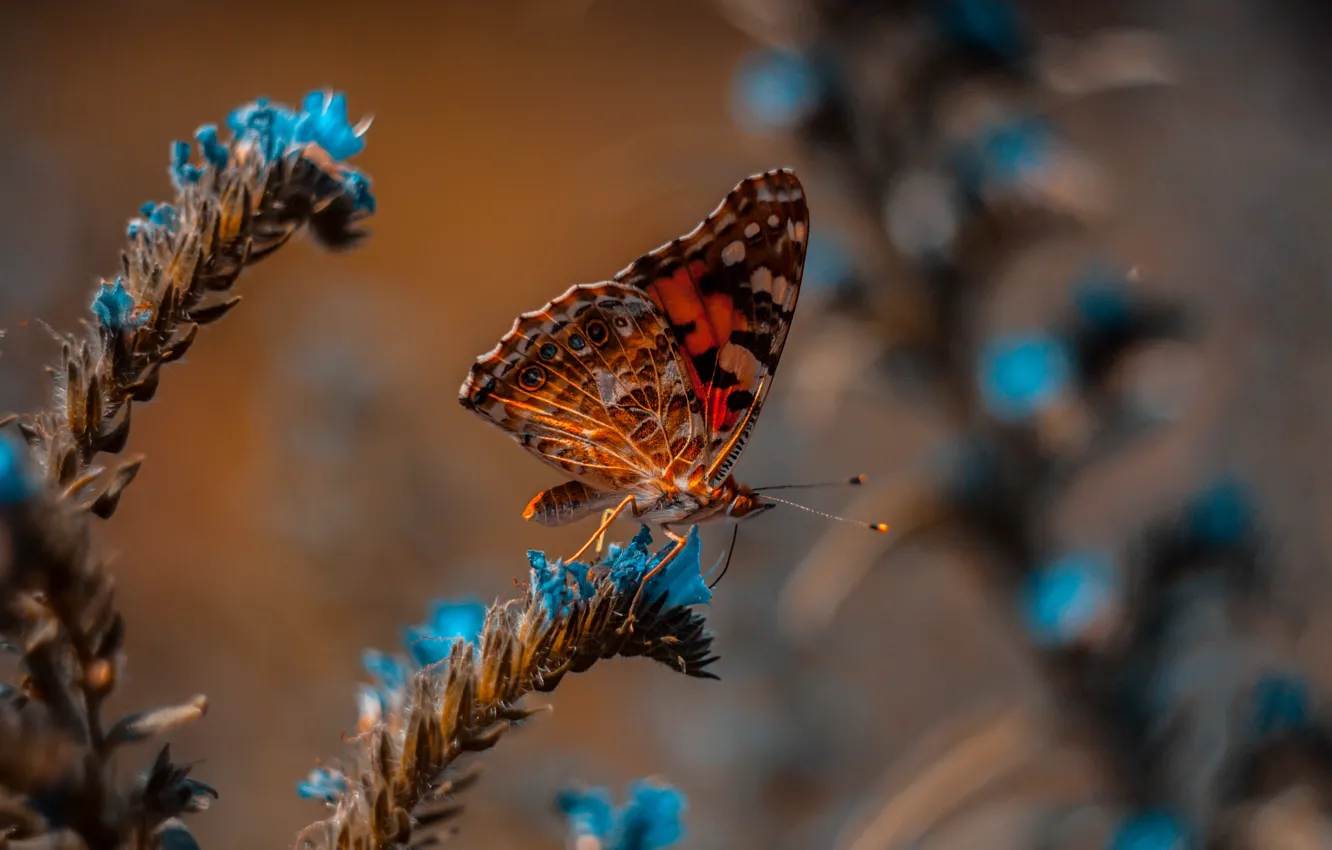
(872, 526)
(859, 479)
(729, 553)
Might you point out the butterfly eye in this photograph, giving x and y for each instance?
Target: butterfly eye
(532, 378)
(576, 342)
(598, 332)
(548, 351)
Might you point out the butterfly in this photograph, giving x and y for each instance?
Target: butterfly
(645, 388)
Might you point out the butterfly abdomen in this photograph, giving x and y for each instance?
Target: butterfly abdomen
(566, 503)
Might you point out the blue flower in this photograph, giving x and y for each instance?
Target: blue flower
(324, 784)
(16, 484)
(1064, 600)
(1221, 514)
(357, 187)
(1150, 831)
(681, 582)
(390, 672)
(273, 127)
(182, 172)
(1005, 154)
(1101, 300)
(775, 89)
(214, 152)
(990, 25)
(649, 820)
(432, 641)
(589, 812)
(1021, 375)
(115, 308)
(153, 215)
(1281, 703)
(323, 121)
(550, 583)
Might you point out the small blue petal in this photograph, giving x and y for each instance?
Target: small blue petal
(651, 819)
(1101, 299)
(681, 581)
(16, 484)
(432, 641)
(1150, 831)
(1005, 154)
(357, 187)
(1064, 599)
(323, 121)
(588, 812)
(550, 583)
(214, 152)
(390, 672)
(1220, 515)
(114, 307)
(776, 89)
(1023, 374)
(990, 25)
(1281, 703)
(271, 127)
(183, 173)
(323, 784)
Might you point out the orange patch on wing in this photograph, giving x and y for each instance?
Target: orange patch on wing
(679, 299)
(721, 312)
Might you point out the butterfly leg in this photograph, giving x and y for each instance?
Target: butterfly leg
(606, 520)
(670, 556)
(601, 538)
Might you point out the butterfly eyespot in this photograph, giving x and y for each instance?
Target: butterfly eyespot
(598, 332)
(548, 351)
(532, 378)
(576, 342)
(621, 322)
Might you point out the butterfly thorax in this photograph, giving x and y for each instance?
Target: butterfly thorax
(728, 500)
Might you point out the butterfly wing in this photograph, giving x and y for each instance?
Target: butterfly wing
(592, 384)
(728, 291)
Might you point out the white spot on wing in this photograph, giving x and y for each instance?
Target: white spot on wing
(773, 220)
(751, 230)
(733, 253)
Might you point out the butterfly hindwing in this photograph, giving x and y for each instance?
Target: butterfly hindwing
(728, 291)
(592, 384)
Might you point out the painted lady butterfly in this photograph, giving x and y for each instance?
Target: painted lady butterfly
(645, 388)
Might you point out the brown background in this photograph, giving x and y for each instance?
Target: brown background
(312, 484)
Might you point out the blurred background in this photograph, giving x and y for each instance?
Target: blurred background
(312, 484)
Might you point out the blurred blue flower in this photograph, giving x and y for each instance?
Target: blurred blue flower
(432, 641)
(1005, 154)
(15, 482)
(323, 121)
(324, 784)
(115, 308)
(990, 25)
(357, 187)
(1063, 600)
(272, 126)
(681, 582)
(775, 89)
(828, 264)
(214, 152)
(154, 215)
(1150, 831)
(1281, 703)
(1222, 514)
(390, 672)
(649, 820)
(1101, 299)
(1022, 374)
(183, 173)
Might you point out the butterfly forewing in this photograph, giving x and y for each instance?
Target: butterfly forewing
(728, 290)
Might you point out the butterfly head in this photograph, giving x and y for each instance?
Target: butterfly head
(746, 503)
